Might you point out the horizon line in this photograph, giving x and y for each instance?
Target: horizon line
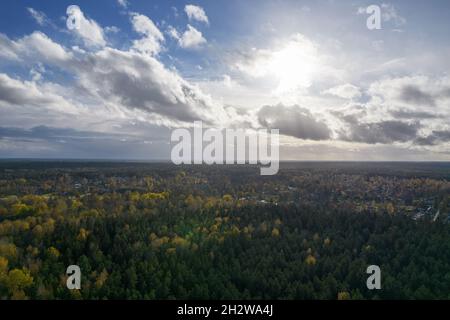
(185, 164)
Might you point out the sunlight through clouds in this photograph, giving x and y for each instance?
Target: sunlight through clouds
(288, 66)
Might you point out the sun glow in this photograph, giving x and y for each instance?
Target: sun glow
(295, 65)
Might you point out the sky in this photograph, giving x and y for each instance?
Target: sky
(112, 79)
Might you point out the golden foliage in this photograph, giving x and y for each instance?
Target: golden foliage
(8, 250)
(275, 232)
(82, 235)
(171, 250)
(101, 279)
(18, 279)
(53, 252)
(180, 242)
(227, 198)
(310, 260)
(158, 242)
(343, 295)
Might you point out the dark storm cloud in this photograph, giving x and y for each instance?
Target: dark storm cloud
(410, 114)
(445, 93)
(379, 132)
(414, 95)
(293, 121)
(434, 138)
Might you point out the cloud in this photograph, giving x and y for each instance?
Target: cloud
(16, 92)
(389, 13)
(421, 92)
(8, 49)
(345, 91)
(196, 13)
(151, 42)
(293, 121)
(435, 138)
(86, 29)
(227, 81)
(60, 142)
(37, 72)
(384, 132)
(123, 81)
(27, 93)
(38, 16)
(411, 114)
(45, 132)
(287, 68)
(138, 81)
(38, 43)
(112, 29)
(172, 32)
(413, 94)
(100, 91)
(123, 3)
(396, 110)
(36, 46)
(190, 39)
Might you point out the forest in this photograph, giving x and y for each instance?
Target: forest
(158, 231)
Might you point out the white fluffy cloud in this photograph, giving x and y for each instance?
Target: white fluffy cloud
(87, 29)
(190, 39)
(33, 99)
(13, 91)
(8, 50)
(151, 42)
(196, 13)
(140, 82)
(127, 82)
(420, 92)
(36, 46)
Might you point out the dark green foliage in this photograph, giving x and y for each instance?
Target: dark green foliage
(184, 234)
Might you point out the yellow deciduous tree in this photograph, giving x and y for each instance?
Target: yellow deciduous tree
(275, 232)
(82, 235)
(101, 279)
(16, 281)
(310, 260)
(343, 295)
(53, 252)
